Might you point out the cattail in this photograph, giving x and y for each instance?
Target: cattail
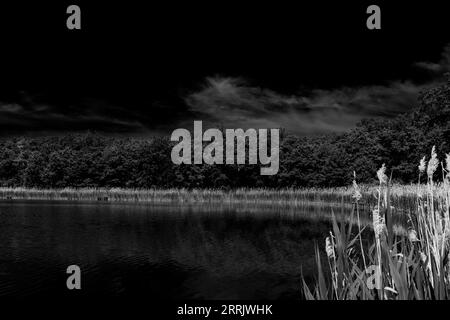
(381, 173)
(412, 235)
(433, 163)
(329, 248)
(378, 223)
(447, 162)
(423, 257)
(422, 165)
(356, 193)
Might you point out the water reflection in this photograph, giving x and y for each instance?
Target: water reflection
(166, 252)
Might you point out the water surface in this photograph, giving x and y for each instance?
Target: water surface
(165, 252)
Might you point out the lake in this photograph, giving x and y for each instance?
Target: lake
(157, 251)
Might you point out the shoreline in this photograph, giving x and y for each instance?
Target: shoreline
(402, 194)
(176, 195)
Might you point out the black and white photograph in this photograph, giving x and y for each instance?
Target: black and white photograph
(224, 157)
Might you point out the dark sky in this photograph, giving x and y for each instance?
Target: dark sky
(149, 69)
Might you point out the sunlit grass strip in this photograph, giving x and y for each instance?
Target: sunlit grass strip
(202, 195)
(401, 196)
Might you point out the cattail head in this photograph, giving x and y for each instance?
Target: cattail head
(378, 223)
(356, 193)
(381, 173)
(422, 165)
(447, 162)
(412, 235)
(423, 257)
(433, 163)
(329, 248)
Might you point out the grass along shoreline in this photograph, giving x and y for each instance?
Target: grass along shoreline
(291, 196)
(403, 196)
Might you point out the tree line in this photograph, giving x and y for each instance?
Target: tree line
(94, 160)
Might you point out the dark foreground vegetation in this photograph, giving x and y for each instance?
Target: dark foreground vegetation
(94, 161)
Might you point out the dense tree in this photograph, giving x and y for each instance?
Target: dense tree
(93, 160)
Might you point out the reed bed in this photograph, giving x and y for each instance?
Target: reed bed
(410, 265)
(402, 196)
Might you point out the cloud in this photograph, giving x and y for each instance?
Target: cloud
(10, 108)
(33, 117)
(235, 102)
(230, 102)
(59, 111)
(437, 68)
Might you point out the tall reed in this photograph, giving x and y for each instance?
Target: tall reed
(415, 265)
